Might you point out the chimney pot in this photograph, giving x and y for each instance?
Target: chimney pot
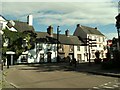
(30, 20)
(67, 32)
(78, 25)
(95, 27)
(50, 30)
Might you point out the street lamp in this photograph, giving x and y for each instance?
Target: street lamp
(1, 25)
(118, 27)
(57, 42)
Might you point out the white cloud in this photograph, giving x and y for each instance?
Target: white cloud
(64, 13)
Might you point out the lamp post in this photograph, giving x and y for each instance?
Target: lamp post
(1, 61)
(57, 42)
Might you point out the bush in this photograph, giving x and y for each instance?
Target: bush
(107, 65)
(116, 61)
(106, 59)
(97, 61)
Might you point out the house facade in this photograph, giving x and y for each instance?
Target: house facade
(15, 26)
(49, 48)
(94, 41)
(3, 22)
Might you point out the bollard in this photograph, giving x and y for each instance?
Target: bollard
(2, 65)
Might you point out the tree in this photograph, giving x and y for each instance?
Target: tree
(16, 41)
(30, 38)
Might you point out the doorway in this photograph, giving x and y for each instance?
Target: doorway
(49, 57)
(41, 58)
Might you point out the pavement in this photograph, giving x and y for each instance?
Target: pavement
(82, 67)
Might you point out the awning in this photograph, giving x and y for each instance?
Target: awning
(10, 52)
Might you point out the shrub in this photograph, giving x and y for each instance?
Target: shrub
(97, 61)
(107, 65)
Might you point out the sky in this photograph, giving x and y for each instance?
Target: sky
(64, 13)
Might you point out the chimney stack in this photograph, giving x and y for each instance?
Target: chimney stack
(95, 27)
(67, 33)
(50, 30)
(78, 25)
(30, 20)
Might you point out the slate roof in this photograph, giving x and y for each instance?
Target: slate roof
(88, 30)
(63, 39)
(21, 26)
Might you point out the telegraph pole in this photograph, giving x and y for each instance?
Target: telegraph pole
(89, 50)
(89, 44)
(57, 42)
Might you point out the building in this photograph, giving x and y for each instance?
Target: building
(50, 46)
(91, 37)
(15, 26)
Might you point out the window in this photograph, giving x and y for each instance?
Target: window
(90, 37)
(61, 48)
(41, 57)
(99, 39)
(40, 46)
(99, 45)
(71, 48)
(79, 57)
(78, 48)
(93, 54)
(49, 47)
(104, 47)
(103, 39)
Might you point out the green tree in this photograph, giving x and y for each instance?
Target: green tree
(16, 41)
(30, 38)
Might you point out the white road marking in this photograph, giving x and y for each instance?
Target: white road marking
(115, 86)
(95, 87)
(106, 84)
(108, 87)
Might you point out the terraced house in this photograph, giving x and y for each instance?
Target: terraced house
(49, 48)
(14, 27)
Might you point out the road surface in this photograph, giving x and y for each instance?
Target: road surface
(24, 76)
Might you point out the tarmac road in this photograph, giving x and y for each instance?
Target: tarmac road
(24, 76)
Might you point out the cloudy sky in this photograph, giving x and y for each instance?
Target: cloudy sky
(65, 13)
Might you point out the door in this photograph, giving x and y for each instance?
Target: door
(49, 57)
(41, 58)
(79, 57)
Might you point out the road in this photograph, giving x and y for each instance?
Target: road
(24, 76)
